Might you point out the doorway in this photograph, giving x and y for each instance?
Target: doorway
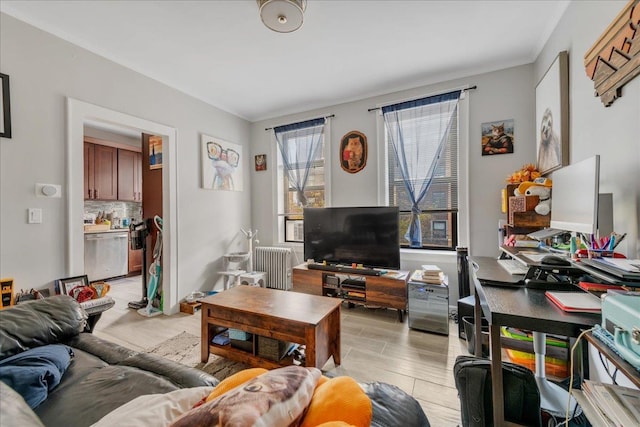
(78, 112)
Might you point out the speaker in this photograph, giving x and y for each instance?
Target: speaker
(6, 291)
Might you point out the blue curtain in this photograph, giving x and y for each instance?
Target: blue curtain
(418, 131)
(300, 145)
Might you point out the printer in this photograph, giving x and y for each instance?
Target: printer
(621, 317)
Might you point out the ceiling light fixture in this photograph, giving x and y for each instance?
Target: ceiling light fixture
(282, 16)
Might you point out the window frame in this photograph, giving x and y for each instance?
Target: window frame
(460, 222)
(281, 218)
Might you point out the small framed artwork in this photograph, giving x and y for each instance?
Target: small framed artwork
(64, 286)
(261, 162)
(353, 151)
(497, 137)
(5, 107)
(552, 116)
(222, 164)
(155, 152)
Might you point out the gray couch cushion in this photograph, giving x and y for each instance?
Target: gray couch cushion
(97, 394)
(39, 322)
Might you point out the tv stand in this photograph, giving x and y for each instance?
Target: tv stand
(355, 286)
(341, 268)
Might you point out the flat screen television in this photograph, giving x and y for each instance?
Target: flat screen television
(346, 235)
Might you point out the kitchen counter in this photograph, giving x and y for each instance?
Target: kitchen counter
(113, 230)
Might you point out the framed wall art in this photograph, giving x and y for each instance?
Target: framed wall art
(353, 151)
(155, 152)
(5, 107)
(64, 286)
(497, 137)
(221, 164)
(552, 116)
(261, 162)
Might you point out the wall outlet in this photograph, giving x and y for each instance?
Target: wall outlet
(34, 216)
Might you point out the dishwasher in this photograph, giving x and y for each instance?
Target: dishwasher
(106, 255)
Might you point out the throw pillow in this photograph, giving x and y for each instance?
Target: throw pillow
(35, 372)
(339, 399)
(154, 409)
(276, 398)
(234, 381)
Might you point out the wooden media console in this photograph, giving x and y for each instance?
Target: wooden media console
(387, 290)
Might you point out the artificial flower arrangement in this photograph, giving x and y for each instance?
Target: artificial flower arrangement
(527, 173)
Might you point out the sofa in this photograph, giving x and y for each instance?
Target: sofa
(102, 377)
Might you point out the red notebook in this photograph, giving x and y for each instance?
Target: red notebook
(597, 287)
(581, 302)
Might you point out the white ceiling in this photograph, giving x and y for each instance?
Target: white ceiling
(220, 52)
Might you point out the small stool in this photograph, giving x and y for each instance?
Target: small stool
(255, 278)
(231, 277)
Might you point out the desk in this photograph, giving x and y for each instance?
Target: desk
(504, 301)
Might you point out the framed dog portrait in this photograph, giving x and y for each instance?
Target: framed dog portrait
(552, 116)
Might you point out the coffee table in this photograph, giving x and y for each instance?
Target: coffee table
(282, 315)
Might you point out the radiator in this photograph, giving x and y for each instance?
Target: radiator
(276, 262)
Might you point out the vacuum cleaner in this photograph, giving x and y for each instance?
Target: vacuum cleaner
(139, 231)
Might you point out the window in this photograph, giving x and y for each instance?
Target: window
(439, 207)
(301, 175)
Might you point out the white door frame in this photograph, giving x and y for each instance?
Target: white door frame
(77, 113)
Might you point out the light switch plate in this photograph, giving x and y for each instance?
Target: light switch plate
(34, 216)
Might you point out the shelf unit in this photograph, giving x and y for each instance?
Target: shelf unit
(622, 365)
(251, 358)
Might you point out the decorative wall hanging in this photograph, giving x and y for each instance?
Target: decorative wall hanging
(353, 151)
(5, 107)
(497, 137)
(552, 116)
(614, 59)
(155, 152)
(221, 164)
(261, 162)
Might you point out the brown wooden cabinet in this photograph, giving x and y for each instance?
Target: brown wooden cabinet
(387, 290)
(135, 259)
(129, 176)
(100, 172)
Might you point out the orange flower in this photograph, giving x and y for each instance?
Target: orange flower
(527, 173)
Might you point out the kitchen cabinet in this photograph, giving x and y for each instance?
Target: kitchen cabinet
(135, 259)
(129, 176)
(100, 172)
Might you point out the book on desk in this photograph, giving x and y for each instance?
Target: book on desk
(575, 302)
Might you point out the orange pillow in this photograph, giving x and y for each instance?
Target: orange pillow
(276, 398)
(235, 380)
(339, 399)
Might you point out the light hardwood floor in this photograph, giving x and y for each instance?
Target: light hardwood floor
(375, 347)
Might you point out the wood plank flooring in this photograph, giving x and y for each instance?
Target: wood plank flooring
(375, 347)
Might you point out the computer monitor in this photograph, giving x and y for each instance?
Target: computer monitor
(574, 196)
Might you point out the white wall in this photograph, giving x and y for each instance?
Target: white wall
(504, 94)
(44, 71)
(612, 132)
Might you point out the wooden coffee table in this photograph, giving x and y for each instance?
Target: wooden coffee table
(286, 316)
